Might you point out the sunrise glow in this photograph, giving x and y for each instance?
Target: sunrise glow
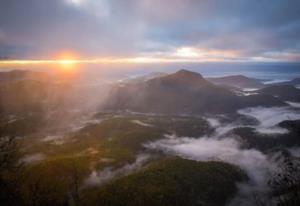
(70, 60)
(153, 102)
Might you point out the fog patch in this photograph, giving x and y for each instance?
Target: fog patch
(249, 89)
(55, 139)
(256, 164)
(50, 138)
(221, 129)
(269, 118)
(223, 145)
(82, 122)
(249, 93)
(294, 104)
(139, 122)
(97, 178)
(274, 81)
(225, 129)
(32, 158)
(213, 122)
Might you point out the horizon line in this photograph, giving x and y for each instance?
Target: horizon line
(133, 60)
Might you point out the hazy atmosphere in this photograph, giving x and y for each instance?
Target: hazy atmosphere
(149, 102)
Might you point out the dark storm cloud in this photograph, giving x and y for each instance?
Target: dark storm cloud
(258, 28)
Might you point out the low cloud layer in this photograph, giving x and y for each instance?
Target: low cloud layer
(223, 146)
(257, 165)
(105, 175)
(213, 149)
(294, 104)
(270, 117)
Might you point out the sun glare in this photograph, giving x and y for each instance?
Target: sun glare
(67, 64)
(68, 60)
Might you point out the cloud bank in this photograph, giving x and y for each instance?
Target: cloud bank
(270, 117)
(213, 149)
(100, 177)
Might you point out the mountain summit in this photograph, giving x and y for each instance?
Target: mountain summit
(182, 78)
(187, 77)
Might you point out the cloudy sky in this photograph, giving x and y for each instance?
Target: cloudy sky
(189, 30)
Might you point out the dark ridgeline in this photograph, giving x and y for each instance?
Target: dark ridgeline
(284, 92)
(294, 82)
(238, 81)
(183, 92)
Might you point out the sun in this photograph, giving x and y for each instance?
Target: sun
(67, 61)
(67, 64)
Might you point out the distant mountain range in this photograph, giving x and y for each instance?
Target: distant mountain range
(182, 92)
(284, 92)
(243, 82)
(142, 78)
(30, 91)
(294, 82)
(238, 81)
(18, 75)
